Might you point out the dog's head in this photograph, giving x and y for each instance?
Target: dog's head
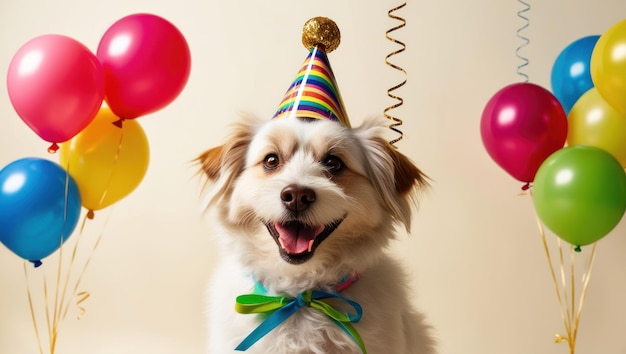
(310, 190)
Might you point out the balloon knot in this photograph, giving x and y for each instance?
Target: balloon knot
(90, 214)
(118, 123)
(526, 186)
(36, 263)
(577, 249)
(53, 148)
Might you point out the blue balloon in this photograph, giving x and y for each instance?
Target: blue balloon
(571, 75)
(39, 207)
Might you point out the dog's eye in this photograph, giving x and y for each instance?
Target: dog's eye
(271, 161)
(333, 163)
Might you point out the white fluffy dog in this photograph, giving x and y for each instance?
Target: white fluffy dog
(305, 209)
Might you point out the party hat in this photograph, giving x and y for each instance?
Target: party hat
(314, 92)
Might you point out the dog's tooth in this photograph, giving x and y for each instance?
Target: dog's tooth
(311, 244)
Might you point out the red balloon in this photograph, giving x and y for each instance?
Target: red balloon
(56, 86)
(521, 125)
(146, 63)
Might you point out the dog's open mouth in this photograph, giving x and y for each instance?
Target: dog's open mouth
(297, 241)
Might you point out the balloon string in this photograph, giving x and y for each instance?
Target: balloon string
(585, 281)
(57, 314)
(553, 274)
(51, 328)
(524, 39)
(83, 295)
(57, 307)
(570, 314)
(573, 293)
(71, 265)
(32, 308)
(115, 161)
(396, 122)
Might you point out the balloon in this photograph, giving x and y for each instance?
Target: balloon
(571, 75)
(594, 122)
(608, 66)
(146, 64)
(521, 125)
(56, 85)
(580, 194)
(108, 162)
(39, 207)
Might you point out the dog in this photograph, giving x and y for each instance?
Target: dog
(304, 210)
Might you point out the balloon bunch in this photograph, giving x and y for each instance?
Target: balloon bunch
(569, 145)
(77, 101)
(85, 105)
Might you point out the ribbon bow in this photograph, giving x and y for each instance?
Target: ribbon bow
(279, 308)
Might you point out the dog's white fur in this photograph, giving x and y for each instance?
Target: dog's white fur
(374, 190)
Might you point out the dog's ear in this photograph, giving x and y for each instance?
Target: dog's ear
(395, 177)
(211, 162)
(407, 176)
(222, 164)
(406, 183)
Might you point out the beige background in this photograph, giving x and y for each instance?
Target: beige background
(475, 255)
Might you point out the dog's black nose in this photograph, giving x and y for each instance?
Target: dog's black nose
(297, 198)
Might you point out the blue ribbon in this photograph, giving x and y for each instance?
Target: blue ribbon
(280, 308)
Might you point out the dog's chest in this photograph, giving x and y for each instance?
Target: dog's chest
(306, 332)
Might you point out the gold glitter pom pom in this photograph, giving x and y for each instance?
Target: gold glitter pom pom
(321, 31)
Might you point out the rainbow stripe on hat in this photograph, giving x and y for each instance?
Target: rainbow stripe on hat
(314, 93)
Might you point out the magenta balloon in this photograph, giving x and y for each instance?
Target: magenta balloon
(56, 86)
(146, 63)
(521, 125)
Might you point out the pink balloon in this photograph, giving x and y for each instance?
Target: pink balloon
(521, 125)
(146, 63)
(56, 86)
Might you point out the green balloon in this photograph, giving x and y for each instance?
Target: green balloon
(579, 193)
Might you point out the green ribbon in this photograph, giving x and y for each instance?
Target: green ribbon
(279, 308)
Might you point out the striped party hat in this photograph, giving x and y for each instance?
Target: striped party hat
(314, 93)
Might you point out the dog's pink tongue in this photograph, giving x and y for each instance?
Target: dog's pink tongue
(296, 238)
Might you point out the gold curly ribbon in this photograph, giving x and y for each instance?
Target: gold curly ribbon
(570, 311)
(396, 122)
(560, 339)
(82, 296)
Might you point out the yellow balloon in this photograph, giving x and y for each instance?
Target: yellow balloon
(593, 122)
(608, 66)
(107, 161)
